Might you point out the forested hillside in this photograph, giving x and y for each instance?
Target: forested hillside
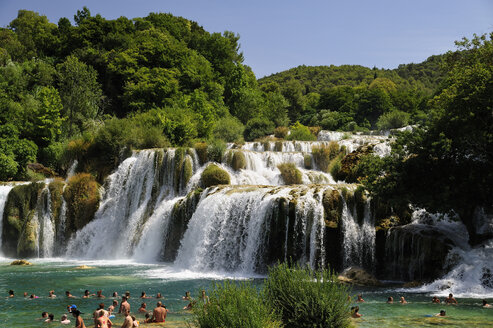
(95, 90)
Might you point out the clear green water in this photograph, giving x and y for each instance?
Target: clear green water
(45, 275)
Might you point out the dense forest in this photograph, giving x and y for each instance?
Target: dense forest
(97, 89)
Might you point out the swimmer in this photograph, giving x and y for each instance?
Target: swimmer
(441, 314)
(64, 320)
(159, 313)
(51, 318)
(451, 300)
(25, 294)
(158, 295)
(147, 318)
(204, 297)
(124, 305)
(51, 294)
(115, 294)
(186, 297)
(44, 316)
(144, 295)
(403, 301)
(435, 300)
(33, 296)
(11, 293)
(127, 294)
(143, 308)
(100, 294)
(189, 306)
(87, 294)
(486, 305)
(102, 321)
(128, 322)
(390, 300)
(354, 312)
(112, 307)
(79, 322)
(360, 299)
(68, 295)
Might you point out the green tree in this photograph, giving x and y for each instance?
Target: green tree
(80, 93)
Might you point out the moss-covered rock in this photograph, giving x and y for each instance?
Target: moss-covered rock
(201, 149)
(18, 234)
(349, 162)
(187, 170)
(333, 203)
(20, 262)
(82, 196)
(214, 175)
(278, 146)
(307, 161)
(56, 194)
(360, 200)
(238, 161)
(358, 276)
(290, 173)
(41, 169)
(324, 154)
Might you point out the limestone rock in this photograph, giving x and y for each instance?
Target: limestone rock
(21, 262)
(358, 276)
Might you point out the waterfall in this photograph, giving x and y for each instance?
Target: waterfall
(131, 192)
(358, 238)
(4, 192)
(43, 223)
(233, 227)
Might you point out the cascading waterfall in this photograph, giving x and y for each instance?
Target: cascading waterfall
(359, 238)
(43, 222)
(4, 192)
(232, 228)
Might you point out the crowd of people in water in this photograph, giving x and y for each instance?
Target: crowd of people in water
(450, 300)
(102, 316)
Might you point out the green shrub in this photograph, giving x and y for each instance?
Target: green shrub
(82, 196)
(234, 305)
(290, 173)
(307, 298)
(238, 161)
(307, 160)
(214, 175)
(229, 129)
(278, 146)
(215, 150)
(301, 132)
(53, 155)
(335, 167)
(8, 167)
(393, 120)
(257, 128)
(324, 154)
(201, 149)
(281, 132)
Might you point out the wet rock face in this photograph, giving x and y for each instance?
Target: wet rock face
(482, 223)
(416, 252)
(358, 276)
(19, 230)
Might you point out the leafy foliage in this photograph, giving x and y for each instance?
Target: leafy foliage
(290, 173)
(307, 298)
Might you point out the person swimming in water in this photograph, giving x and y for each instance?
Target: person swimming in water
(51, 318)
(435, 300)
(355, 312)
(11, 293)
(112, 307)
(143, 308)
(64, 320)
(158, 295)
(68, 295)
(99, 294)
(186, 297)
(144, 295)
(87, 294)
(360, 299)
(51, 294)
(390, 300)
(441, 314)
(451, 300)
(486, 305)
(402, 300)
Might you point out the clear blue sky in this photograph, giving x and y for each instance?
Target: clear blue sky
(278, 35)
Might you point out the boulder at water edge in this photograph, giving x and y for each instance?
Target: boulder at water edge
(21, 262)
(358, 276)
